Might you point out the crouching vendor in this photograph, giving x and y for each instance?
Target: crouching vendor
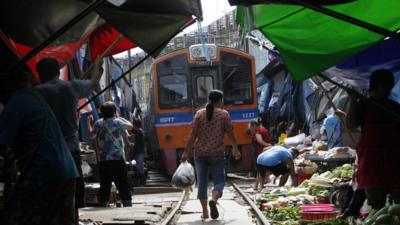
(277, 160)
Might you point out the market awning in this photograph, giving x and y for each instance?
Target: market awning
(291, 2)
(144, 23)
(310, 42)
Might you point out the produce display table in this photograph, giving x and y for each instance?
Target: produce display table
(329, 164)
(300, 205)
(309, 203)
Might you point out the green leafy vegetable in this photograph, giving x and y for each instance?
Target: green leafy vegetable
(324, 222)
(283, 214)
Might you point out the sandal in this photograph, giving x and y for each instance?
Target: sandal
(213, 209)
(204, 217)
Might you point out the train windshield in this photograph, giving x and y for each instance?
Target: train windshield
(203, 82)
(236, 79)
(173, 83)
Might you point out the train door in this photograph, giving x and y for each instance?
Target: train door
(204, 79)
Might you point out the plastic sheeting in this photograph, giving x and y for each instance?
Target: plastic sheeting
(311, 42)
(305, 103)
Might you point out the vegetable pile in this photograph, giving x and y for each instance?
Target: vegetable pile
(281, 205)
(283, 214)
(387, 215)
(345, 171)
(322, 184)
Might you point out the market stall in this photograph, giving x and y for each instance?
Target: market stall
(319, 199)
(324, 176)
(332, 158)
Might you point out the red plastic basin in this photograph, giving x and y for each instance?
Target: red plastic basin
(317, 208)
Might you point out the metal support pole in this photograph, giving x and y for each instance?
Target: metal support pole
(379, 30)
(57, 34)
(129, 65)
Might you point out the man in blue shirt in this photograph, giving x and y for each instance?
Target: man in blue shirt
(44, 193)
(62, 97)
(277, 160)
(332, 129)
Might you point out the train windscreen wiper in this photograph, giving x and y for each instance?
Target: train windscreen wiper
(202, 88)
(177, 76)
(230, 75)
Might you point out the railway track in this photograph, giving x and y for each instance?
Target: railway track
(164, 205)
(240, 197)
(173, 212)
(257, 212)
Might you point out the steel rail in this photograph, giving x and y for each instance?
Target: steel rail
(260, 216)
(173, 212)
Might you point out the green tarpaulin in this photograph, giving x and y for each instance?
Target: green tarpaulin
(310, 42)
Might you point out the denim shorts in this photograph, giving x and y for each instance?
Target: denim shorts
(277, 170)
(206, 166)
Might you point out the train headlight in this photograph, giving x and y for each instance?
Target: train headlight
(247, 132)
(168, 137)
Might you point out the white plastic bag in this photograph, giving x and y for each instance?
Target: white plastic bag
(184, 176)
(86, 169)
(295, 140)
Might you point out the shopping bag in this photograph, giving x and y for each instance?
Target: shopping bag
(184, 176)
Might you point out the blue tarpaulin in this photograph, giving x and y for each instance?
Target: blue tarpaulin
(307, 104)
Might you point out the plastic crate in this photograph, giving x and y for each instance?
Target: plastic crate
(318, 215)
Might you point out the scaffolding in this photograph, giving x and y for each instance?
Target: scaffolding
(222, 32)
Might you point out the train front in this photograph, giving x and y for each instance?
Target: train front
(182, 80)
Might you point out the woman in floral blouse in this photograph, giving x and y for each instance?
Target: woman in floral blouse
(210, 124)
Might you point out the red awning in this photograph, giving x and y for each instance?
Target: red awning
(99, 41)
(103, 37)
(147, 24)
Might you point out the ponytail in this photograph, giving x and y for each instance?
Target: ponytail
(213, 97)
(210, 111)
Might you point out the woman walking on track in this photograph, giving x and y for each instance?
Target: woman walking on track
(207, 138)
(110, 145)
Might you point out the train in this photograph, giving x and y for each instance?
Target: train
(179, 86)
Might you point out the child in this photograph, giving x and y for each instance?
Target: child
(138, 150)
